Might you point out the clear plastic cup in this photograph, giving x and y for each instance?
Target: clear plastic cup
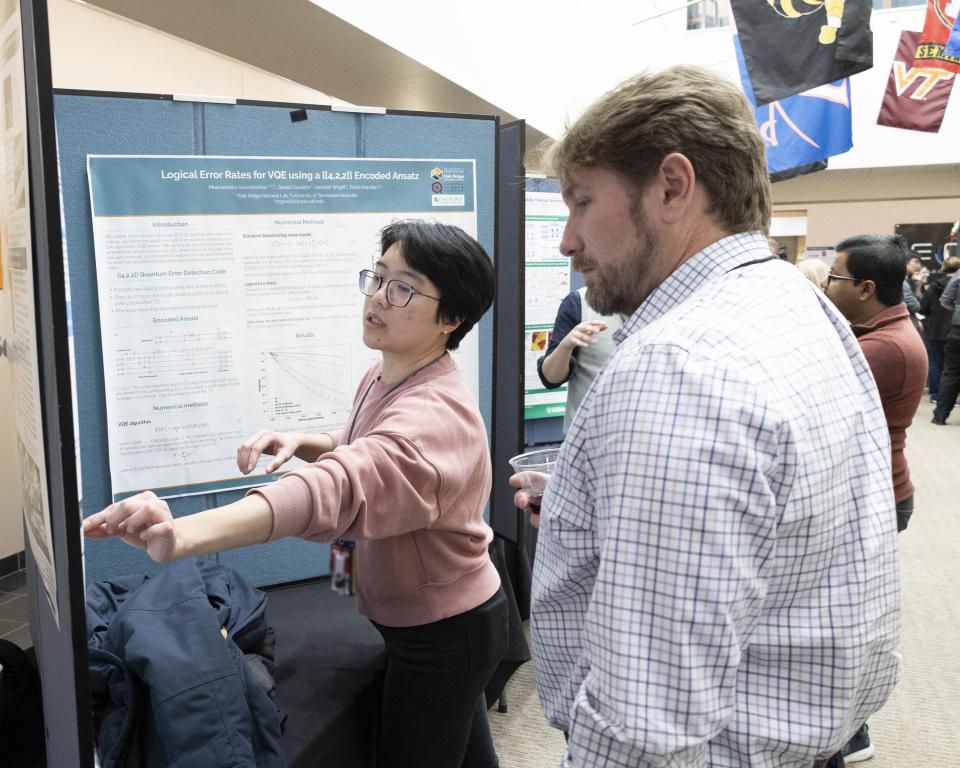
(535, 468)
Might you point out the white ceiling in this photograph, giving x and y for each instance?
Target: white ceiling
(305, 43)
(540, 59)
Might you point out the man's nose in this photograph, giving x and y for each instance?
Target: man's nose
(570, 243)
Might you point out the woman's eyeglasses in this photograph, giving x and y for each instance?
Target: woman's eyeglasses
(398, 292)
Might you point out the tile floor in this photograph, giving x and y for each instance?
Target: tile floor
(13, 609)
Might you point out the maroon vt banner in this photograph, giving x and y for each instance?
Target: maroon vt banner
(916, 97)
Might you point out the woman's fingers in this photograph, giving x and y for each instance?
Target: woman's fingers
(128, 518)
(283, 455)
(95, 526)
(248, 454)
(147, 514)
(265, 442)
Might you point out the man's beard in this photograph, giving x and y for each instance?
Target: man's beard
(618, 289)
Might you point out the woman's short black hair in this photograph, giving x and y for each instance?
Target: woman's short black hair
(880, 258)
(454, 262)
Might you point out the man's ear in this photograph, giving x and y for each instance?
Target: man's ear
(868, 289)
(677, 181)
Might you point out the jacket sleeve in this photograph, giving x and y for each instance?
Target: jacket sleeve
(949, 297)
(913, 305)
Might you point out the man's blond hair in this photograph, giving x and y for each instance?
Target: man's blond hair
(683, 109)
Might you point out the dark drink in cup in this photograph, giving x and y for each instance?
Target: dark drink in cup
(533, 470)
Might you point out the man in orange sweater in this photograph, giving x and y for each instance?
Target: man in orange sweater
(865, 285)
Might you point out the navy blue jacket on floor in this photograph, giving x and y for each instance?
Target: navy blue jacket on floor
(169, 690)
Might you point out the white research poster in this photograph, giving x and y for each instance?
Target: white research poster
(16, 247)
(547, 284)
(229, 299)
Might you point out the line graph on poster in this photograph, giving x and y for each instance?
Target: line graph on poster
(306, 386)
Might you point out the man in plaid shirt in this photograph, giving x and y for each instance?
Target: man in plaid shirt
(716, 580)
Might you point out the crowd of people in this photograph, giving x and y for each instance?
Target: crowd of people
(716, 578)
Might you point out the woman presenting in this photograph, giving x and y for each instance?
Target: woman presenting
(408, 479)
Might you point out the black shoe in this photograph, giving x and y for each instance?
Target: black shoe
(937, 420)
(859, 747)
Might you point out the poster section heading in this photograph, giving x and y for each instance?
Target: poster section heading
(180, 185)
(215, 325)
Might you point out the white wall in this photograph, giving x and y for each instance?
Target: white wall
(95, 50)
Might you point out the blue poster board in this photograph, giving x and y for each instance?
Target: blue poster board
(106, 124)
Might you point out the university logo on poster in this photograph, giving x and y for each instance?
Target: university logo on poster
(792, 46)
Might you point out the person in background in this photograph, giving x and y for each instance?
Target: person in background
(408, 479)
(949, 388)
(910, 290)
(581, 342)
(865, 284)
(937, 322)
(815, 270)
(716, 580)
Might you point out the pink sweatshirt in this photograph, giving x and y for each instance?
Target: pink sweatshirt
(410, 488)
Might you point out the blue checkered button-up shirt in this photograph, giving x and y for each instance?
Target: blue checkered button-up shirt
(716, 579)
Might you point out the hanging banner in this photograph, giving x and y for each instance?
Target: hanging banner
(916, 97)
(952, 49)
(229, 299)
(937, 27)
(802, 129)
(791, 47)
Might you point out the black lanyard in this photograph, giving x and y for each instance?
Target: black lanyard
(751, 263)
(404, 380)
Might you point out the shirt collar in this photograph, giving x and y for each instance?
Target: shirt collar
(716, 259)
(888, 316)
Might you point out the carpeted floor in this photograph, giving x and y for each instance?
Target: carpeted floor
(920, 725)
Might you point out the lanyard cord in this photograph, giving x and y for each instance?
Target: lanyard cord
(751, 263)
(404, 380)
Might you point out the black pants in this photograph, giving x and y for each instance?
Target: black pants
(950, 378)
(433, 713)
(935, 365)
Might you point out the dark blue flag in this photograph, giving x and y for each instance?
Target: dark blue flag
(805, 128)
